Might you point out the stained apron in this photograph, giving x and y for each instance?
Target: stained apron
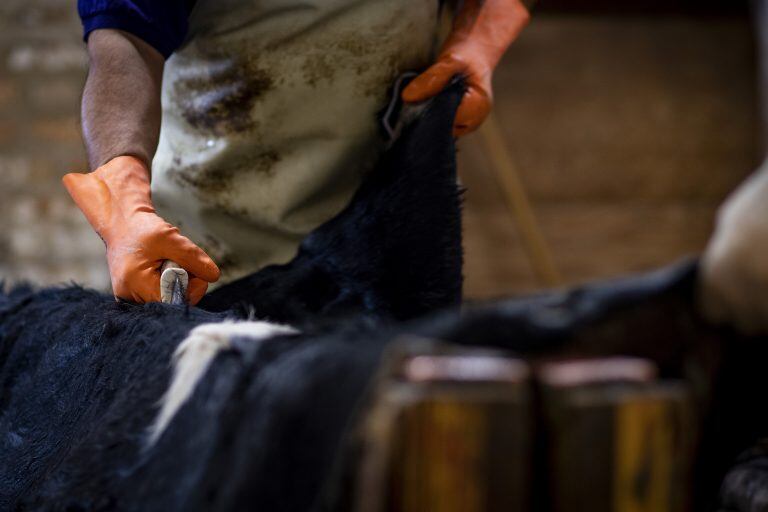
(269, 117)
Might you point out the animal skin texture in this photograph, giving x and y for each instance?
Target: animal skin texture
(287, 357)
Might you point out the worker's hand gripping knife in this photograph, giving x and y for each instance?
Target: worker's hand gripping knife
(482, 31)
(115, 199)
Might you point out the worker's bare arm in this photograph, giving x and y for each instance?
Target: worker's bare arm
(121, 126)
(121, 101)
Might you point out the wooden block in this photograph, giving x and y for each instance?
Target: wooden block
(618, 440)
(451, 431)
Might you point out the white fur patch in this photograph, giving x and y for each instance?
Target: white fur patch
(194, 355)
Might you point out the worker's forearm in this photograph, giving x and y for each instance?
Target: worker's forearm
(121, 101)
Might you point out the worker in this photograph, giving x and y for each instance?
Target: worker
(254, 120)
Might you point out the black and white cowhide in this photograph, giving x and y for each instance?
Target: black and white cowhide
(96, 395)
(245, 403)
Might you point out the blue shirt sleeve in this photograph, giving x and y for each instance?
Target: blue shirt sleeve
(160, 23)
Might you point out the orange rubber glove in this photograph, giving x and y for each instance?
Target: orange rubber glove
(115, 199)
(482, 32)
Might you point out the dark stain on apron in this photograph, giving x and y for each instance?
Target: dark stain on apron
(220, 102)
(214, 179)
(203, 178)
(224, 258)
(355, 52)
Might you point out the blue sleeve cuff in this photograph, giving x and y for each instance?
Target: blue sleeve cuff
(135, 25)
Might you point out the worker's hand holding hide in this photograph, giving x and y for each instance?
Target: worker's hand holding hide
(115, 199)
(482, 31)
(734, 273)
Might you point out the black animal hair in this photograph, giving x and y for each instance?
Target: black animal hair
(393, 253)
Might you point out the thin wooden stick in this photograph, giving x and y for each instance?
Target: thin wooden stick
(516, 198)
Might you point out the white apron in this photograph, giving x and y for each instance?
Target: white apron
(269, 117)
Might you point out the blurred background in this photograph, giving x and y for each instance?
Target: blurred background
(627, 125)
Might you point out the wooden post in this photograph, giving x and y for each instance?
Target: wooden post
(451, 432)
(618, 439)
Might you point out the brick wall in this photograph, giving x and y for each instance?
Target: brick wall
(628, 132)
(43, 238)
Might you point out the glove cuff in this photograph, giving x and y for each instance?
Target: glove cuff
(112, 193)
